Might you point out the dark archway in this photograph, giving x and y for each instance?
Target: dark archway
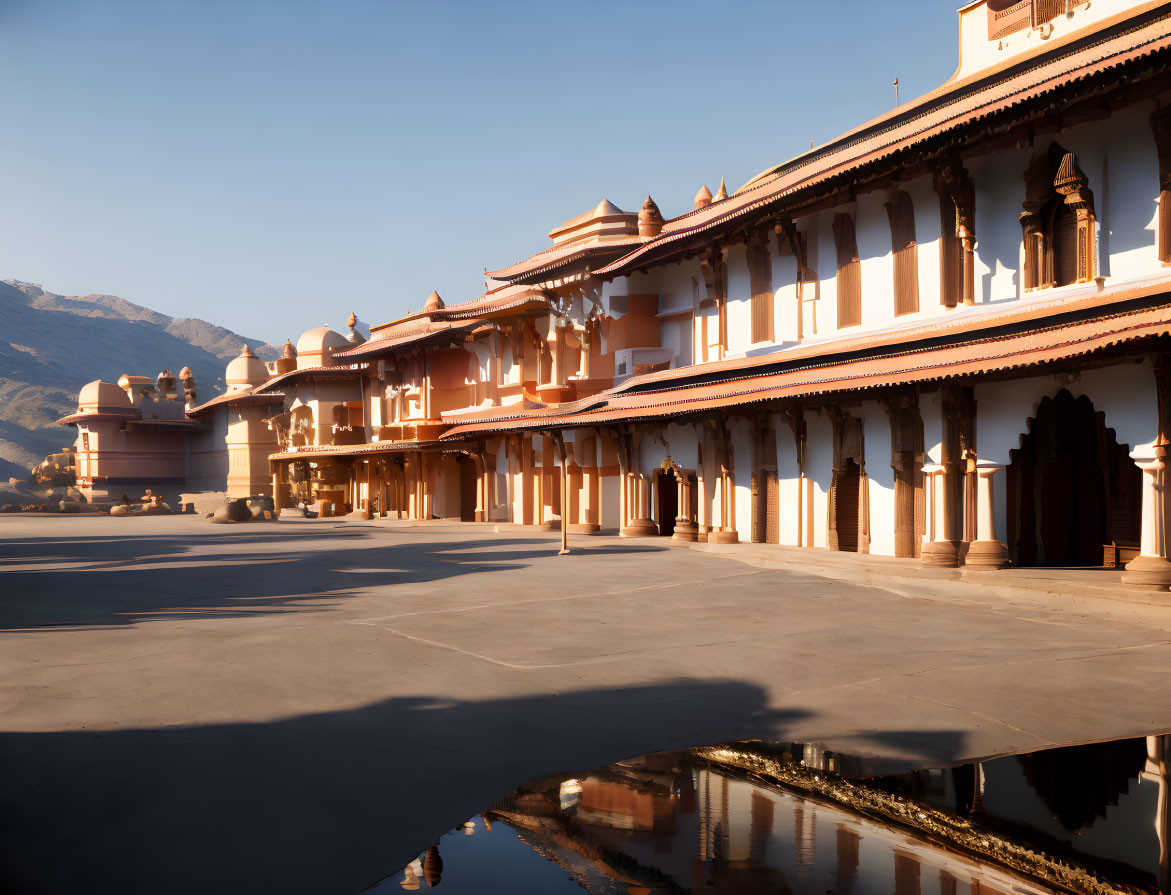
(668, 503)
(467, 488)
(846, 506)
(1072, 488)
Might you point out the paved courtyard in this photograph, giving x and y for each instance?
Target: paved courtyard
(303, 706)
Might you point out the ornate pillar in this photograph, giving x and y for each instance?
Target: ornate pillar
(641, 525)
(685, 529)
(987, 552)
(1150, 570)
(937, 549)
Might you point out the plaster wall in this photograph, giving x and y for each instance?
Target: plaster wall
(819, 469)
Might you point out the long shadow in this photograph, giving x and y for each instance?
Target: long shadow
(320, 803)
(134, 579)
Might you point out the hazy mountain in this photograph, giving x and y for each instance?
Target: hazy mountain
(51, 345)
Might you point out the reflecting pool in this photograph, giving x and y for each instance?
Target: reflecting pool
(754, 818)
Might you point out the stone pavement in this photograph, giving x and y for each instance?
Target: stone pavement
(303, 706)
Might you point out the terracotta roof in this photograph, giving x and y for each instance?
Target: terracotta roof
(544, 265)
(500, 298)
(370, 447)
(234, 398)
(1110, 44)
(307, 373)
(421, 332)
(1038, 345)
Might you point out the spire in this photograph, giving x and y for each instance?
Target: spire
(433, 303)
(247, 352)
(703, 198)
(650, 219)
(290, 349)
(722, 193)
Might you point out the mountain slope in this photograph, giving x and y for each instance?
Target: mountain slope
(51, 345)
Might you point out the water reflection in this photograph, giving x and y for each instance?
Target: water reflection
(797, 819)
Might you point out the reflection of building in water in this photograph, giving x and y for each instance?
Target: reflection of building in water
(666, 825)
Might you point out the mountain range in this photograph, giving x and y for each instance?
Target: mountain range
(51, 345)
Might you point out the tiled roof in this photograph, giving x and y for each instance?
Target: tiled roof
(545, 264)
(1113, 43)
(501, 298)
(370, 447)
(422, 332)
(307, 373)
(235, 398)
(1039, 344)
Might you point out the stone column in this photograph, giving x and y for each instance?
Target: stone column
(685, 529)
(987, 552)
(937, 550)
(1150, 570)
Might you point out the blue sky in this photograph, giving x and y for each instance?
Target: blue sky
(270, 166)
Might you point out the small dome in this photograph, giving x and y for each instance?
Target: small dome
(102, 397)
(703, 198)
(433, 303)
(246, 371)
(650, 219)
(316, 346)
(290, 350)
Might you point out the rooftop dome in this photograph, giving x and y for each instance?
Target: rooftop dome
(316, 346)
(102, 397)
(245, 372)
(433, 303)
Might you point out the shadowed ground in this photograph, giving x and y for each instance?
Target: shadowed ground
(302, 707)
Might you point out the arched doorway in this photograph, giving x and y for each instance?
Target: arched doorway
(846, 505)
(668, 503)
(1072, 488)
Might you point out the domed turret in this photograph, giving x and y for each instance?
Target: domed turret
(102, 397)
(433, 303)
(316, 346)
(650, 219)
(245, 372)
(703, 198)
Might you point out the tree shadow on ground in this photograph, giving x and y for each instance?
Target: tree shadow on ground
(124, 580)
(320, 803)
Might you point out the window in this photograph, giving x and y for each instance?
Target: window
(849, 279)
(760, 277)
(1057, 222)
(957, 210)
(905, 253)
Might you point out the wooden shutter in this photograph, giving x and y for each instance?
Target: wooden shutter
(849, 280)
(760, 274)
(772, 525)
(905, 254)
(1047, 10)
(950, 254)
(1065, 245)
(846, 507)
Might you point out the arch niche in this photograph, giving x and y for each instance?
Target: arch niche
(1071, 488)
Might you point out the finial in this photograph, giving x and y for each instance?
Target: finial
(351, 320)
(650, 219)
(703, 198)
(722, 193)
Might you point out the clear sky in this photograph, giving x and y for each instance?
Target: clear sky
(270, 166)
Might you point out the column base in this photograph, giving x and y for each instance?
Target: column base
(1148, 573)
(686, 531)
(986, 556)
(716, 536)
(584, 528)
(940, 554)
(701, 533)
(640, 528)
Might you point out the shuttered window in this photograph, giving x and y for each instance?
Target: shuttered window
(905, 254)
(1065, 245)
(760, 275)
(1165, 225)
(849, 279)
